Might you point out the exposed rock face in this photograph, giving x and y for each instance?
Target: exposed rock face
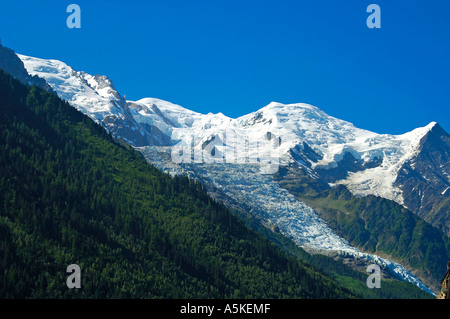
(11, 63)
(425, 180)
(410, 169)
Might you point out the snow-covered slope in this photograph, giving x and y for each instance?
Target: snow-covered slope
(181, 141)
(332, 138)
(295, 124)
(394, 151)
(93, 95)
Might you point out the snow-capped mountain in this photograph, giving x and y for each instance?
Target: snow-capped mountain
(333, 142)
(231, 155)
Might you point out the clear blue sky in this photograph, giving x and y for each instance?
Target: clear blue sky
(235, 56)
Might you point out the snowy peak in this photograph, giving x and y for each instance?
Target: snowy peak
(417, 134)
(364, 161)
(281, 107)
(379, 159)
(101, 84)
(296, 124)
(96, 96)
(329, 149)
(425, 178)
(170, 109)
(92, 95)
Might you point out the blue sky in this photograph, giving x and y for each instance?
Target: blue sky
(235, 56)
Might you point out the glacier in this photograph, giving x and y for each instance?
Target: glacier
(273, 206)
(154, 127)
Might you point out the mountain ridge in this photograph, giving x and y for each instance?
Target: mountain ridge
(327, 147)
(152, 122)
(71, 193)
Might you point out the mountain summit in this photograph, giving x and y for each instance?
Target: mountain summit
(410, 169)
(364, 161)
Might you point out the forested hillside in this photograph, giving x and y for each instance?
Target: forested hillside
(70, 194)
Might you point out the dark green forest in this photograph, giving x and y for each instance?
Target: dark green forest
(71, 194)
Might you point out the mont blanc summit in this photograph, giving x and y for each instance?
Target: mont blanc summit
(227, 154)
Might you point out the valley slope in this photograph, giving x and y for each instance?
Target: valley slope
(233, 156)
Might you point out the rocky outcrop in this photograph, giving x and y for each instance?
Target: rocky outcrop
(425, 180)
(11, 63)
